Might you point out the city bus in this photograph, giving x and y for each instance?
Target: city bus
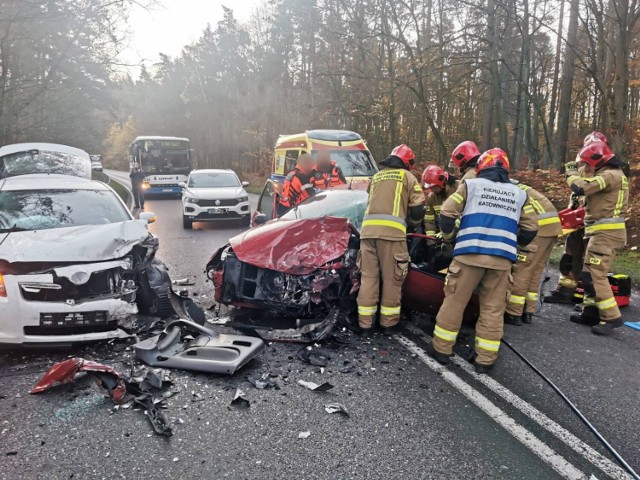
(166, 161)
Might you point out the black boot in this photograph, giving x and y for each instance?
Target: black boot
(527, 318)
(482, 368)
(441, 358)
(563, 295)
(605, 328)
(589, 316)
(512, 320)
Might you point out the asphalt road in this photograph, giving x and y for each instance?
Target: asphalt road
(409, 417)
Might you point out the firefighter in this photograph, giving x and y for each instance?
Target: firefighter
(438, 185)
(528, 270)
(495, 217)
(465, 157)
(327, 173)
(571, 260)
(606, 190)
(395, 199)
(298, 185)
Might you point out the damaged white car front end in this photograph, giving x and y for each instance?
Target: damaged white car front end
(66, 292)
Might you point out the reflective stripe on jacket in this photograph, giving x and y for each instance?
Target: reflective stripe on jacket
(298, 186)
(329, 179)
(489, 224)
(391, 192)
(548, 221)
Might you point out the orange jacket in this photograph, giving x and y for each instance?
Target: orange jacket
(330, 179)
(298, 186)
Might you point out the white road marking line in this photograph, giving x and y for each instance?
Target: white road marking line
(533, 443)
(573, 442)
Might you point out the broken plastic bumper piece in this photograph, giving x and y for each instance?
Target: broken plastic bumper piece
(207, 351)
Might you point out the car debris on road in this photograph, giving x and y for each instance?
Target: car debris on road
(208, 351)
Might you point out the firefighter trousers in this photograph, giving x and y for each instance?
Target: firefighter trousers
(527, 274)
(386, 262)
(598, 258)
(493, 287)
(572, 261)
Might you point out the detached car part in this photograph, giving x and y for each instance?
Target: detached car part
(207, 352)
(65, 372)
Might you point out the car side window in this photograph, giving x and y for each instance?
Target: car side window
(265, 205)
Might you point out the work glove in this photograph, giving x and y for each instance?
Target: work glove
(570, 168)
(439, 236)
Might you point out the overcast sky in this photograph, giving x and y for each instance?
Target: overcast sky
(175, 23)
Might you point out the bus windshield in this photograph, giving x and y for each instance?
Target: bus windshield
(353, 163)
(162, 157)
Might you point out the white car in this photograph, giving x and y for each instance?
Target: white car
(32, 158)
(70, 257)
(210, 195)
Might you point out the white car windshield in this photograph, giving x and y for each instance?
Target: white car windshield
(213, 180)
(46, 209)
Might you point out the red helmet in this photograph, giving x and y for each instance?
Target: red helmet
(596, 154)
(595, 136)
(496, 157)
(434, 176)
(465, 153)
(405, 154)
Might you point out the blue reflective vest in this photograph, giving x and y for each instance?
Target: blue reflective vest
(490, 218)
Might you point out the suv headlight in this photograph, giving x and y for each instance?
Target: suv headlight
(243, 199)
(191, 200)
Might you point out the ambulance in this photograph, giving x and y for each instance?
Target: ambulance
(347, 149)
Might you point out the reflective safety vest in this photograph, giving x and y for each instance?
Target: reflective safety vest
(490, 218)
(298, 186)
(329, 179)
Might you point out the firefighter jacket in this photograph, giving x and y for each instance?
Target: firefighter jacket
(298, 186)
(392, 192)
(607, 199)
(433, 205)
(548, 221)
(495, 218)
(470, 174)
(332, 178)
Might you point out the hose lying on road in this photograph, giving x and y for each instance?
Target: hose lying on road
(608, 446)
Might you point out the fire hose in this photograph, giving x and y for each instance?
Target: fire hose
(584, 419)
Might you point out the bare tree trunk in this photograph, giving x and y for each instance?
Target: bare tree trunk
(564, 110)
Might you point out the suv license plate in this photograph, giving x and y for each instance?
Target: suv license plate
(218, 210)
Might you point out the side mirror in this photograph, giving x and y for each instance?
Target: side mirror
(245, 184)
(182, 185)
(260, 219)
(149, 217)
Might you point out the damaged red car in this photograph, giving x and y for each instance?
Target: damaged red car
(304, 263)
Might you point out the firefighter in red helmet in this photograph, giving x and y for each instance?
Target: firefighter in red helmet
(600, 179)
(495, 217)
(438, 185)
(464, 157)
(395, 200)
(574, 246)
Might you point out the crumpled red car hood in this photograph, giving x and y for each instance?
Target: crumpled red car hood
(295, 247)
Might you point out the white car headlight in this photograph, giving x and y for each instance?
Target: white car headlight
(191, 200)
(243, 199)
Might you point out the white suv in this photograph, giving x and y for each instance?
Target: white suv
(210, 195)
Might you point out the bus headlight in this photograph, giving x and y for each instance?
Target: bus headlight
(190, 200)
(146, 186)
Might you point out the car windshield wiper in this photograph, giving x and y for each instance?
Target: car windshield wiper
(13, 229)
